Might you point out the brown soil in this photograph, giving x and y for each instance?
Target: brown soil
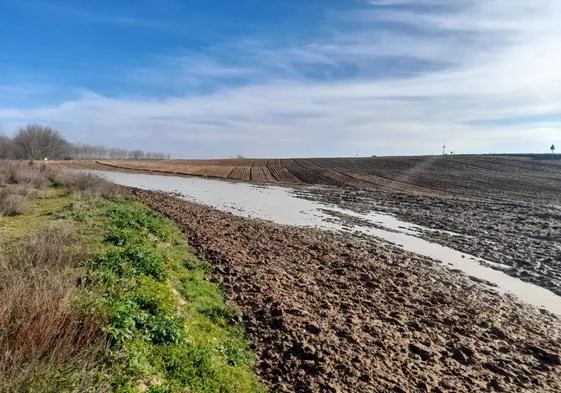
(521, 238)
(333, 313)
(504, 177)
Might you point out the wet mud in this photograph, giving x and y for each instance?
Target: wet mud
(329, 312)
(520, 238)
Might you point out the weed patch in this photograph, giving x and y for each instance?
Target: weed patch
(170, 328)
(106, 296)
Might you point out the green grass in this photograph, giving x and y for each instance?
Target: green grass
(168, 326)
(48, 203)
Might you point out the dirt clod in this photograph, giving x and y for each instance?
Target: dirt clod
(315, 329)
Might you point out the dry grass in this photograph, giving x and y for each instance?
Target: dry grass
(11, 203)
(38, 175)
(46, 343)
(86, 181)
(14, 199)
(88, 184)
(25, 173)
(20, 182)
(41, 332)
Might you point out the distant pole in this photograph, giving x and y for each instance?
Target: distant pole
(444, 147)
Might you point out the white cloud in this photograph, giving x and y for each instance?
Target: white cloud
(401, 87)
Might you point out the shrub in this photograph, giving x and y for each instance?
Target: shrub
(11, 204)
(17, 172)
(23, 190)
(43, 337)
(41, 175)
(82, 181)
(87, 183)
(50, 247)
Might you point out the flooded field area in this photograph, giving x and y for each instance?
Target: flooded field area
(317, 208)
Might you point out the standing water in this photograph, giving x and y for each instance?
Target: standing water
(281, 205)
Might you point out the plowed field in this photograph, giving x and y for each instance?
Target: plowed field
(330, 313)
(506, 177)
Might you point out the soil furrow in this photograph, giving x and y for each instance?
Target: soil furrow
(331, 313)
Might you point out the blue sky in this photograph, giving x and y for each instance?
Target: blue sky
(210, 78)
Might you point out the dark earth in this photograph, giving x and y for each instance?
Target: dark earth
(341, 313)
(329, 312)
(522, 236)
(518, 177)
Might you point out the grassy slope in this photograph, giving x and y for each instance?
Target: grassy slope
(167, 326)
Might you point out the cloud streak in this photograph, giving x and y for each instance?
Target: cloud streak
(396, 76)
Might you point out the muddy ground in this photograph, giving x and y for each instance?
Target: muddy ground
(523, 237)
(334, 313)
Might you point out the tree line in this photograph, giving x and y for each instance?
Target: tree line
(37, 142)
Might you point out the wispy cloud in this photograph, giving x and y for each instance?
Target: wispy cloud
(396, 76)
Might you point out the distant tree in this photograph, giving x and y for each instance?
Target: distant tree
(552, 148)
(7, 149)
(36, 142)
(136, 155)
(114, 153)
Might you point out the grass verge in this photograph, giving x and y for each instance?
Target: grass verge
(168, 324)
(103, 295)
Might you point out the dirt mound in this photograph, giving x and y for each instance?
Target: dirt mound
(328, 313)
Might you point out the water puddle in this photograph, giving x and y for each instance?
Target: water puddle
(282, 205)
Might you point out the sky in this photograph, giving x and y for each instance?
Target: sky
(286, 78)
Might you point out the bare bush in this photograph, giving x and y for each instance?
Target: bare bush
(39, 175)
(24, 173)
(40, 323)
(4, 170)
(14, 199)
(41, 330)
(25, 190)
(7, 149)
(50, 246)
(87, 183)
(11, 204)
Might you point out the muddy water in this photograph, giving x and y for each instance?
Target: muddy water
(281, 205)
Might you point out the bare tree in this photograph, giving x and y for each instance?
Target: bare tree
(114, 153)
(6, 148)
(136, 155)
(36, 142)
